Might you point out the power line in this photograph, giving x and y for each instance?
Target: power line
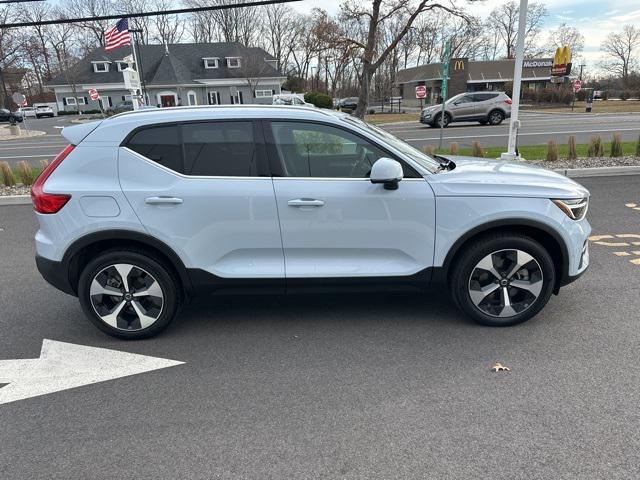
(19, 1)
(144, 14)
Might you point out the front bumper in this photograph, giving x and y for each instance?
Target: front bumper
(55, 274)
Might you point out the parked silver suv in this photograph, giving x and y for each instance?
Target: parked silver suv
(484, 107)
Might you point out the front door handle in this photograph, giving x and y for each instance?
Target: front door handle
(305, 202)
(163, 201)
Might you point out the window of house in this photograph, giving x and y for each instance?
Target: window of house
(122, 65)
(70, 100)
(219, 149)
(214, 98)
(314, 150)
(233, 62)
(237, 98)
(264, 93)
(100, 66)
(211, 62)
(160, 144)
(191, 97)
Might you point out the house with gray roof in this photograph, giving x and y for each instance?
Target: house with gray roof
(172, 75)
(468, 76)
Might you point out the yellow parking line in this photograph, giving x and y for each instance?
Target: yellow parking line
(635, 261)
(622, 254)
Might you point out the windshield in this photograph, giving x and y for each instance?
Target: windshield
(416, 155)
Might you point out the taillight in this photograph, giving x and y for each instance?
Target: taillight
(49, 202)
(508, 101)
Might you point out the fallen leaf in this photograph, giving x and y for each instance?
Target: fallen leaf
(498, 367)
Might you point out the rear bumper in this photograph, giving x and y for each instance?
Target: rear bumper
(55, 273)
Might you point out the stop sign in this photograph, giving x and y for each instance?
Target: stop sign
(577, 86)
(93, 94)
(421, 91)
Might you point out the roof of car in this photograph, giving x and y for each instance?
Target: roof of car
(151, 115)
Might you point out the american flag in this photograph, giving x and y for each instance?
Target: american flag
(117, 36)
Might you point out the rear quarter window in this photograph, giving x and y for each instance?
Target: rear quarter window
(160, 144)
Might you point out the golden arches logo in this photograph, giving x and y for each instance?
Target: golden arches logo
(459, 65)
(562, 56)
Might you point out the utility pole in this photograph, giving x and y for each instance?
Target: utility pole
(514, 125)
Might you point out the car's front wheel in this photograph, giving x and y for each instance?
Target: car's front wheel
(503, 279)
(442, 121)
(129, 294)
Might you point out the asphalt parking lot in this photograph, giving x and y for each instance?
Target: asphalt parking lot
(536, 128)
(342, 386)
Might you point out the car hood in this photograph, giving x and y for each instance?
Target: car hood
(477, 177)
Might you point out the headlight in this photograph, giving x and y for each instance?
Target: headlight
(574, 208)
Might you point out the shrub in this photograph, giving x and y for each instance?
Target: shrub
(44, 164)
(428, 149)
(604, 95)
(7, 174)
(581, 96)
(453, 148)
(638, 147)
(616, 145)
(595, 148)
(552, 151)
(65, 112)
(572, 152)
(25, 172)
(320, 100)
(476, 150)
(625, 95)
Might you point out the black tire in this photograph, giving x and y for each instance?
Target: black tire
(447, 120)
(460, 279)
(483, 122)
(495, 117)
(154, 268)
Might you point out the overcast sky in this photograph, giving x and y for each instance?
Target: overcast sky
(594, 18)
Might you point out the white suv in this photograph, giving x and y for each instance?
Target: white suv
(146, 209)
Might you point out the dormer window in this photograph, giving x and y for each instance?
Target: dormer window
(122, 65)
(210, 62)
(100, 67)
(233, 62)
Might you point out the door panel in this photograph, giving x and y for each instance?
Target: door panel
(465, 108)
(355, 228)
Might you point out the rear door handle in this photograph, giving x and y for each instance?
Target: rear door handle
(163, 201)
(305, 202)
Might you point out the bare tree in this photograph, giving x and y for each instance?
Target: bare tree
(623, 51)
(167, 28)
(144, 24)
(90, 8)
(504, 20)
(279, 32)
(369, 20)
(566, 35)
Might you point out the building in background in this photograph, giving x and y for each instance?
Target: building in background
(470, 76)
(175, 74)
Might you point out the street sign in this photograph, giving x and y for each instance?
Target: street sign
(577, 85)
(93, 94)
(65, 365)
(421, 91)
(19, 98)
(131, 79)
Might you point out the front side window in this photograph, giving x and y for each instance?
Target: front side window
(322, 151)
(211, 149)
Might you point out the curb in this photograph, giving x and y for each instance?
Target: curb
(15, 200)
(599, 171)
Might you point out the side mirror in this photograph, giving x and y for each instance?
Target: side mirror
(387, 172)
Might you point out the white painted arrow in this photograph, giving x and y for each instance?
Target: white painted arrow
(65, 365)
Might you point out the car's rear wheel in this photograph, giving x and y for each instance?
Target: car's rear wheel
(128, 294)
(495, 117)
(503, 279)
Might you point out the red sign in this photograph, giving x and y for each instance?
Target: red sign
(93, 94)
(421, 91)
(577, 86)
(25, 103)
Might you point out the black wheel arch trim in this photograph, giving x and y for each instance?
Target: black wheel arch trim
(125, 235)
(506, 223)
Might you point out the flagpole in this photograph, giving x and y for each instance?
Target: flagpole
(134, 97)
(138, 59)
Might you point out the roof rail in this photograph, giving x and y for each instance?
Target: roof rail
(222, 107)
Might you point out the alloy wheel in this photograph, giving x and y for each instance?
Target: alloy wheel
(126, 297)
(505, 283)
(496, 118)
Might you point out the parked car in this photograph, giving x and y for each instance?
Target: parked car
(9, 116)
(121, 107)
(27, 111)
(44, 111)
(153, 207)
(290, 99)
(349, 103)
(484, 107)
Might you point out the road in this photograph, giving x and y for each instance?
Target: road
(341, 386)
(536, 128)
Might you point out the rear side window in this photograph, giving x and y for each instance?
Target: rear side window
(219, 149)
(160, 144)
(201, 149)
(481, 97)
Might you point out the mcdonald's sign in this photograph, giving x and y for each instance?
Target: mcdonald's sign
(561, 62)
(459, 65)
